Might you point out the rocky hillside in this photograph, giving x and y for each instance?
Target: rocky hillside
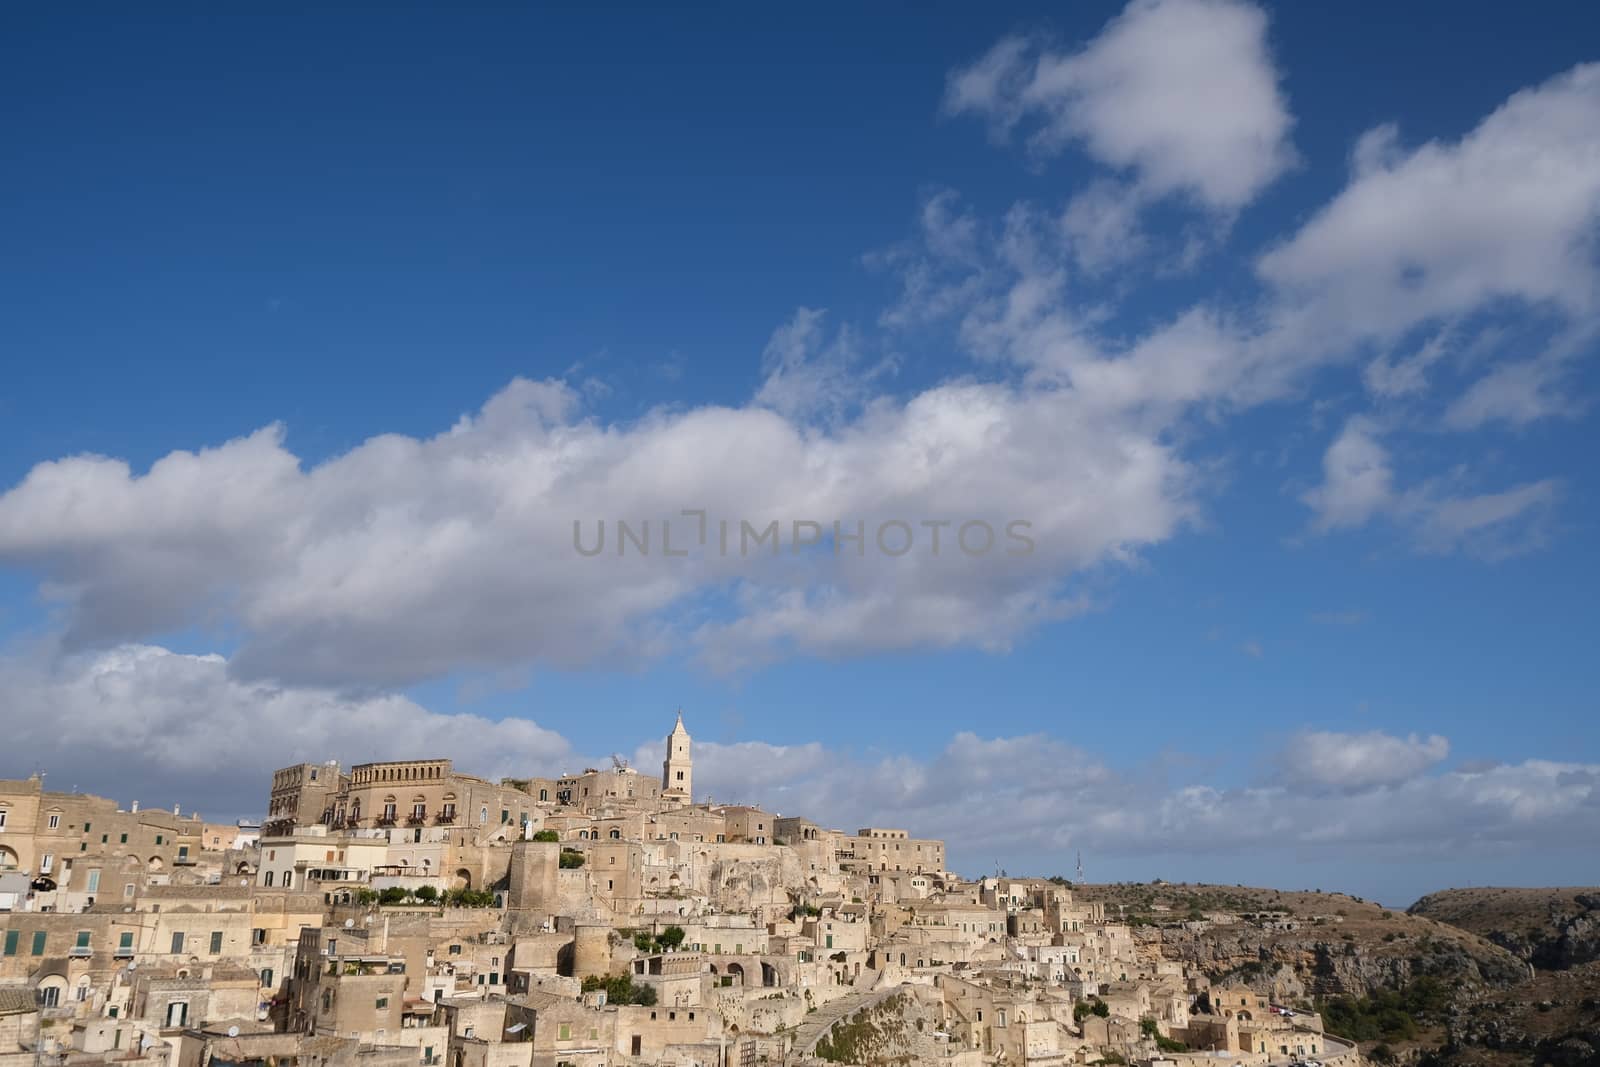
(1553, 929)
(1302, 945)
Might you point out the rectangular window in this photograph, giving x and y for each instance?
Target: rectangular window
(566, 1032)
(383, 1002)
(38, 942)
(158, 839)
(177, 944)
(183, 852)
(55, 822)
(216, 942)
(46, 863)
(94, 880)
(124, 839)
(125, 940)
(83, 939)
(11, 942)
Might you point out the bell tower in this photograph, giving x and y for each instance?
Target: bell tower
(677, 771)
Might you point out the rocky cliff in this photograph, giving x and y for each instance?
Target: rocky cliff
(1552, 929)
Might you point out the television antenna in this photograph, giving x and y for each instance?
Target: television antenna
(617, 762)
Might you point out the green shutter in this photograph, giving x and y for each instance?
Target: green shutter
(11, 942)
(38, 942)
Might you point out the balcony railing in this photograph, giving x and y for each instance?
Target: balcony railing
(445, 818)
(416, 818)
(384, 820)
(80, 951)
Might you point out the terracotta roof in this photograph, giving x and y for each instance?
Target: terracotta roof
(17, 1000)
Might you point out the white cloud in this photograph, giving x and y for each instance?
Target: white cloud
(1358, 485)
(1360, 761)
(1507, 212)
(164, 727)
(408, 558)
(1357, 482)
(1181, 94)
(810, 374)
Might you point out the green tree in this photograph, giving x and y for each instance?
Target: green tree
(546, 835)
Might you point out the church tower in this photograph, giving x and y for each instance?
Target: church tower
(677, 771)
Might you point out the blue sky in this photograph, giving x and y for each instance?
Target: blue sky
(1277, 325)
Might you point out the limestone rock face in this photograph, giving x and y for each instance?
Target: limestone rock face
(1552, 929)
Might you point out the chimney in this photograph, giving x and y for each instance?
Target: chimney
(135, 809)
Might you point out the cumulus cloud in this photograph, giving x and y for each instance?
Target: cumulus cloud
(406, 558)
(166, 727)
(1358, 485)
(1505, 213)
(1360, 761)
(1180, 94)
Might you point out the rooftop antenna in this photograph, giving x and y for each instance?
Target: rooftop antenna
(617, 762)
(1080, 866)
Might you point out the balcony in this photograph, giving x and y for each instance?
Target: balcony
(446, 818)
(417, 818)
(81, 952)
(123, 953)
(383, 820)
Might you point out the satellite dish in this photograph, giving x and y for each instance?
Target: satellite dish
(348, 923)
(233, 1031)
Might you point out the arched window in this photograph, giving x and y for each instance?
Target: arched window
(616, 835)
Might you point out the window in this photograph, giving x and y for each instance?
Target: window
(55, 822)
(177, 944)
(216, 942)
(83, 939)
(383, 1002)
(125, 941)
(158, 841)
(50, 996)
(11, 942)
(124, 839)
(183, 852)
(38, 942)
(46, 862)
(266, 879)
(93, 885)
(566, 1032)
(127, 891)
(177, 1013)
